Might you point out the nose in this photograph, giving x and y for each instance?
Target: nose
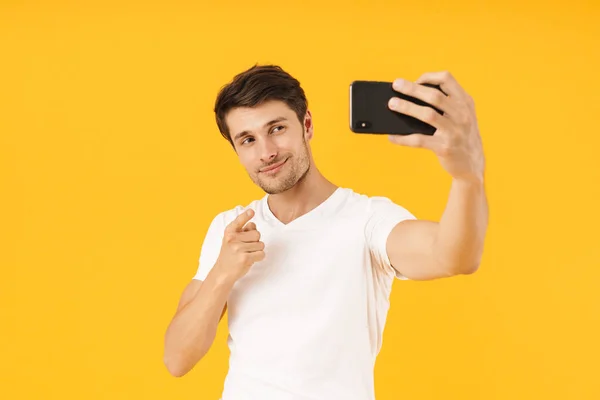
(268, 150)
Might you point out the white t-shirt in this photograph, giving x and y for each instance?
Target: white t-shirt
(306, 322)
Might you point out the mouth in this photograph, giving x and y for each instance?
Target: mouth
(273, 169)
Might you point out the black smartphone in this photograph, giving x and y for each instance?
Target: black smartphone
(370, 113)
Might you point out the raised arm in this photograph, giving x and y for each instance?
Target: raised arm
(425, 249)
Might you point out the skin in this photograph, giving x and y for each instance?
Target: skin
(271, 135)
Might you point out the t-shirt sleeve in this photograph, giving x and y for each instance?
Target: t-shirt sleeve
(211, 246)
(383, 215)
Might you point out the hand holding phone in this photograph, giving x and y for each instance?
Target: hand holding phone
(370, 113)
(450, 114)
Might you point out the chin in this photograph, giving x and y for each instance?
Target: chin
(277, 186)
(280, 183)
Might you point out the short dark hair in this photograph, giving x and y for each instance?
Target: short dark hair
(256, 85)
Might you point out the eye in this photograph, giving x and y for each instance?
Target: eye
(247, 139)
(278, 129)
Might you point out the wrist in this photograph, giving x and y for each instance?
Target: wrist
(222, 276)
(474, 181)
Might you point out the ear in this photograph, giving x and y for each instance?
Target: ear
(308, 126)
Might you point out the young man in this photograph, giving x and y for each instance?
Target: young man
(306, 271)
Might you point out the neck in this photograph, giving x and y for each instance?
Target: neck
(302, 198)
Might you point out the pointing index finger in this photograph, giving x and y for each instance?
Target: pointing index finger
(238, 223)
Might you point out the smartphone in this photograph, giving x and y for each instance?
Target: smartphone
(370, 113)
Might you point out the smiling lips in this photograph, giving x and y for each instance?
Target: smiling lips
(273, 168)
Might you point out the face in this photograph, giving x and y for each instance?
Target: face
(271, 144)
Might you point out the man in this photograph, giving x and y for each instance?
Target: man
(306, 271)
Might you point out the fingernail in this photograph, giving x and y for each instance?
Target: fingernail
(249, 212)
(394, 102)
(398, 83)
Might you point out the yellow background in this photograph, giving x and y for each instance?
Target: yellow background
(111, 169)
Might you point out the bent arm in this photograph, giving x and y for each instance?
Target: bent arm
(422, 250)
(192, 331)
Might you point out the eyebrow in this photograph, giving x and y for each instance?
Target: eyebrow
(274, 121)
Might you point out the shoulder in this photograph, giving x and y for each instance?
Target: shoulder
(369, 204)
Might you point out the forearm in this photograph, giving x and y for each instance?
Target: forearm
(192, 331)
(458, 245)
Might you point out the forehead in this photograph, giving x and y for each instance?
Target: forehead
(253, 119)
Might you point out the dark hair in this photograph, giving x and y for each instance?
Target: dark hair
(255, 86)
